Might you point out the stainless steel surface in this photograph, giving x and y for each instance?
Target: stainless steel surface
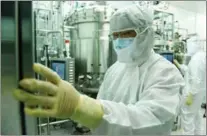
(46, 60)
(89, 42)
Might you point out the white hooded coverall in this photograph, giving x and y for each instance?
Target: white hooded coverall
(192, 48)
(140, 95)
(192, 116)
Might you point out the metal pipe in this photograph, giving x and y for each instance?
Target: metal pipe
(69, 27)
(48, 31)
(51, 32)
(61, 36)
(48, 126)
(51, 18)
(46, 64)
(53, 123)
(54, 31)
(46, 58)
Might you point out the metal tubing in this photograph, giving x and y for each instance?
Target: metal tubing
(53, 123)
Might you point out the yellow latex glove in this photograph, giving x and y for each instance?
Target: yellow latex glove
(60, 97)
(176, 63)
(189, 100)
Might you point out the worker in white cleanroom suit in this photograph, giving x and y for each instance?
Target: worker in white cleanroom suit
(194, 94)
(140, 93)
(192, 48)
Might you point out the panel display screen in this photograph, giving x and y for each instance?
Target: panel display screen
(169, 56)
(59, 68)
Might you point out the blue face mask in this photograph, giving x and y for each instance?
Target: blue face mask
(121, 43)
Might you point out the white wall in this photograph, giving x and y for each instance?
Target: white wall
(194, 22)
(201, 25)
(186, 19)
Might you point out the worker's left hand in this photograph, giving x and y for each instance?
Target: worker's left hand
(59, 96)
(176, 63)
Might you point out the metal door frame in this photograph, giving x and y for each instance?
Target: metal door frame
(25, 49)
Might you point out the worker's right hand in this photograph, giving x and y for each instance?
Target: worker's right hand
(189, 99)
(59, 96)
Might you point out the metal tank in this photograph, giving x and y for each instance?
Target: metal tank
(90, 44)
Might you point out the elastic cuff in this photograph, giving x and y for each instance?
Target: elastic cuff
(89, 112)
